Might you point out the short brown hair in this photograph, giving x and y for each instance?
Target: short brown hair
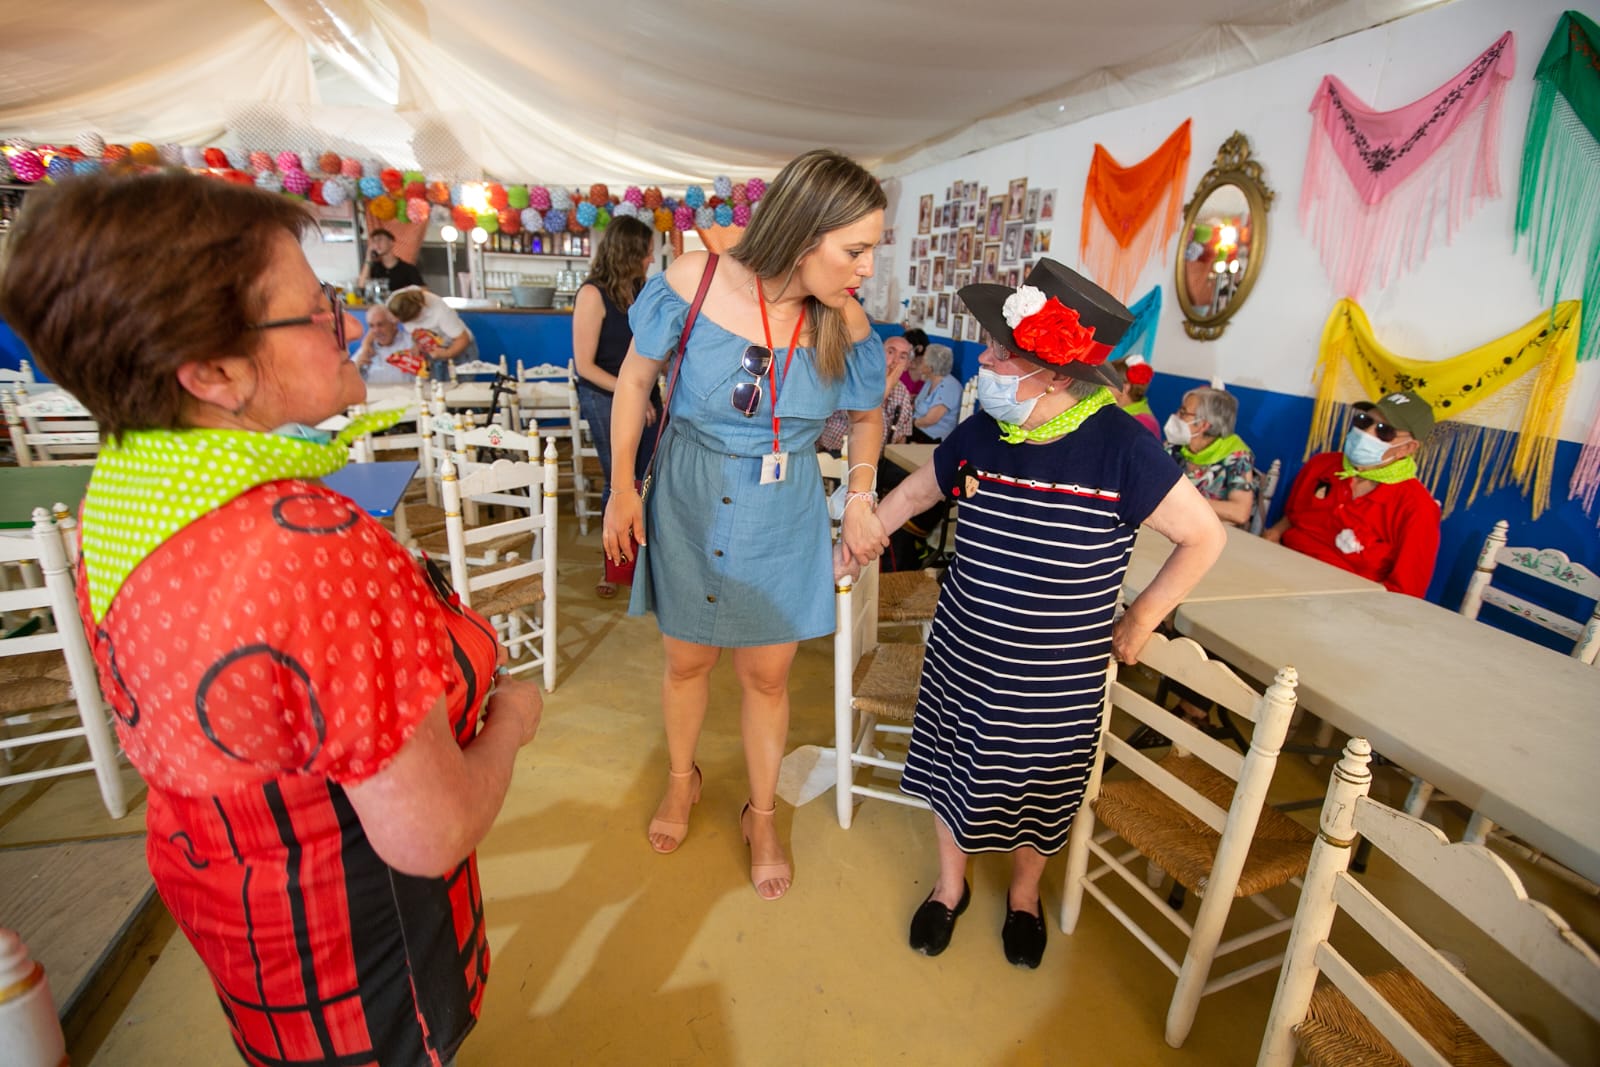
(407, 304)
(114, 281)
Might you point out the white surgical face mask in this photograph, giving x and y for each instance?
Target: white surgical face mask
(1363, 449)
(997, 395)
(1177, 431)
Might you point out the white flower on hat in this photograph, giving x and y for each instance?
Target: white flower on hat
(1027, 300)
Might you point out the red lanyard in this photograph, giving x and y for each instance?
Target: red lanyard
(772, 368)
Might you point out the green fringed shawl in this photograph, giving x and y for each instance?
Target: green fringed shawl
(1558, 204)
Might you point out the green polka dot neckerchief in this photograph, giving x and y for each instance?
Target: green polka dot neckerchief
(1062, 424)
(153, 483)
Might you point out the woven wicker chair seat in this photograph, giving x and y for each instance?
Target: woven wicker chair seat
(436, 543)
(34, 680)
(503, 599)
(886, 680)
(907, 596)
(1184, 846)
(1336, 1034)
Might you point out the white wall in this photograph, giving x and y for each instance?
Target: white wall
(1463, 294)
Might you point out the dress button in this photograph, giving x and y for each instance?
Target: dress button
(711, 599)
(718, 553)
(727, 500)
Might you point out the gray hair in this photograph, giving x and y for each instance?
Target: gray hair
(1217, 408)
(1080, 389)
(938, 359)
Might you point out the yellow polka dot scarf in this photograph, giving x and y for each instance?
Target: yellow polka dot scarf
(153, 483)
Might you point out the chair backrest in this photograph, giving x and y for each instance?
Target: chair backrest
(1547, 565)
(969, 398)
(1468, 879)
(51, 429)
(1183, 661)
(544, 393)
(474, 368)
(23, 373)
(47, 548)
(1266, 489)
(527, 489)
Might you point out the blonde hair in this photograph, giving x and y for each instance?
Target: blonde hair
(407, 304)
(814, 194)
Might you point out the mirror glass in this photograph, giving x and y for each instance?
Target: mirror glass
(1224, 240)
(1216, 251)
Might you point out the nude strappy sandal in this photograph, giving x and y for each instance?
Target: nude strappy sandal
(676, 831)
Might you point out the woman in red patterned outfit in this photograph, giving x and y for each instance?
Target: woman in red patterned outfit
(321, 724)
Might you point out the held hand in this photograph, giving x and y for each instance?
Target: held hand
(1273, 534)
(649, 414)
(520, 701)
(862, 533)
(624, 517)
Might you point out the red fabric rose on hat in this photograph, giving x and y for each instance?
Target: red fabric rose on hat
(1140, 373)
(1054, 334)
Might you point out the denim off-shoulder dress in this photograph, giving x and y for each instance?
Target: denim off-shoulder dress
(730, 562)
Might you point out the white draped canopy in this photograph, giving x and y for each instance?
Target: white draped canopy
(624, 91)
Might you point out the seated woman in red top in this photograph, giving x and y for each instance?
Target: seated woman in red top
(1363, 509)
(319, 721)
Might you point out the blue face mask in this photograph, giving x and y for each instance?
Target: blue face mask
(1362, 449)
(997, 394)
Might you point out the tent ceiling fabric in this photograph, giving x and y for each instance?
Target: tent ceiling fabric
(623, 91)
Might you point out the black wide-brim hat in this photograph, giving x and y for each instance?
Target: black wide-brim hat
(1100, 312)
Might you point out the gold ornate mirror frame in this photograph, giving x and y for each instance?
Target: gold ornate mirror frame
(1205, 321)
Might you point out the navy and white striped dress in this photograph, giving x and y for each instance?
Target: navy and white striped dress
(1009, 710)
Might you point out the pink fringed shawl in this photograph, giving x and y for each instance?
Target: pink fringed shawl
(1380, 184)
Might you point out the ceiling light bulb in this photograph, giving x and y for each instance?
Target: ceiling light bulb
(479, 235)
(449, 234)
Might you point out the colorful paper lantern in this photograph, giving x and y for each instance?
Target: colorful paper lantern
(371, 187)
(539, 198)
(599, 195)
(497, 195)
(27, 165)
(296, 182)
(463, 218)
(416, 191)
(81, 166)
(439, 193)
(59, 167)
(695, 197)
(172, 154)
(723, 185)
(337, 191)
(417, 208)
(586, 214)
(740, 213)
(625, 209)
(289, 161)
(196, 158)
(116, 153)
(391, 180)
(738, 194)
(633, 196)
(555, 220)
(382, 208)
(517, 196)
(662, 219)
(92, 144)
(652, 198)
(510, 221)
(350, 168)
(270, 181)
(705, 217)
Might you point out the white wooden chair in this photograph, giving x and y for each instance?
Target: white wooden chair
(51, 429)
(23, 376)
(1198, 814)
(874, 697)
(1266, 489)
(518, 589)
(1544, 564)
(1430, 1011)
(450, 438)
(588, 476)
(547, 405)
(50, 676)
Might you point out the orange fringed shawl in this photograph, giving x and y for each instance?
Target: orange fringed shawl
(1130, 213)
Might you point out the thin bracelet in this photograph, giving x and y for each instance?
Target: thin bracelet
(855, 466)
(873, 497)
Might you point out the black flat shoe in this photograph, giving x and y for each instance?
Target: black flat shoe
(1023, 937)
(933, 923)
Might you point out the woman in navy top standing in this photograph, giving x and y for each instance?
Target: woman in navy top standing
(733, 545)
(600, 339)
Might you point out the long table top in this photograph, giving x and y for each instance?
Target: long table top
(908, 456)
(1249, 568)
(1505, 726)
(375, 487)
(24, 488)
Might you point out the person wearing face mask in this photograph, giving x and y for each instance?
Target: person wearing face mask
(1056, 480)
(1200, 437)
(1363, 508)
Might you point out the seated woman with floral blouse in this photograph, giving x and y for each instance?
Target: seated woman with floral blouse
(1216, 461)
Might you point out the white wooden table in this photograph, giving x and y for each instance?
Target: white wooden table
(1248, 569)
(1507, 727)
(908, 457)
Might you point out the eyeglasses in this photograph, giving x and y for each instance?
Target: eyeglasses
(757, 360)
(335, 297)
(1363, 420)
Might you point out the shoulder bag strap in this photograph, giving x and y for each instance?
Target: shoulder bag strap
(683, 349)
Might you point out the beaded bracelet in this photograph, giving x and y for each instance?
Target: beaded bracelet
(873, 497)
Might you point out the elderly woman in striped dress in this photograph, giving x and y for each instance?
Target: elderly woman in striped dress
(1053, 481)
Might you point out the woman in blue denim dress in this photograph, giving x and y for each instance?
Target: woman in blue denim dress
(734, 546)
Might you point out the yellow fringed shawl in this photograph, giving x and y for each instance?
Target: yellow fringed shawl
(1545, 348)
